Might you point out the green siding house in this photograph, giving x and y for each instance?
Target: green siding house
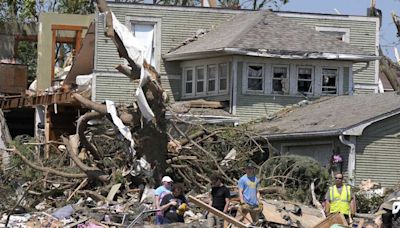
(364, 128)
(255, 61)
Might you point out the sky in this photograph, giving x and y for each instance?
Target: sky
(388, 38)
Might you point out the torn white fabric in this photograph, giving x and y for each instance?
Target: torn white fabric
(136, 51)
(124, 130)
(132, 45)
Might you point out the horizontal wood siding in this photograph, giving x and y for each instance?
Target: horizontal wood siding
(176, 27)
(114, 87)
(378, 153)
(362, 35)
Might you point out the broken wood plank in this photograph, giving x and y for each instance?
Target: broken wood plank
(332, 219)
(113, 191)
(217, 212)
(271, 214)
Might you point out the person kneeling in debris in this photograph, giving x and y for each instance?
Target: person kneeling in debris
(249, 195)
(174, 205)
(219, 200)
(340, 199)
(159, 194)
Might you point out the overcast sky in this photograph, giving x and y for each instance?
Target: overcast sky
(388, 38)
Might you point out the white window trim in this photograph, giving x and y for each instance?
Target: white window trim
(205, 64)
(346, 31)
(184, 82)
(204, 80)
(245, 78)
(129, 21)
(215, 79)
(287, 77)
(312, 80)
(224, 91)
(338, 69)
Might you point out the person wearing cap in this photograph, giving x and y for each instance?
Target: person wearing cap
(249, 195)
(160, 192)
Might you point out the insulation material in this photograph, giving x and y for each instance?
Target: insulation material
(124, 130)
(136, 51)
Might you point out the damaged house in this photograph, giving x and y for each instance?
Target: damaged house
(363, 129)
(254, 62)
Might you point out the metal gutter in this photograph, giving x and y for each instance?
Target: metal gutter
(294, 135)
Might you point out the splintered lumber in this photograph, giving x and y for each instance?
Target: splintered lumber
(272, 215)
(217, 212)
(206, 104)
(332, 219)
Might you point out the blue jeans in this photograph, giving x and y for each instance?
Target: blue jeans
(159, 219)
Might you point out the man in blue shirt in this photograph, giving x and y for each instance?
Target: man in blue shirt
(159, 193)
(249, 195)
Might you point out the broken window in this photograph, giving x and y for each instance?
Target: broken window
(280, 80)
(200, 80)
(255, 79)
(211, 78)
(223, 77)
(188, 81)
(304, 81)
(329, 80)
(144, 32)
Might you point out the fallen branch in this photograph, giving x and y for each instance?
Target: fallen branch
(47, 169)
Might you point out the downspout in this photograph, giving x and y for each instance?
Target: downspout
(352, 158)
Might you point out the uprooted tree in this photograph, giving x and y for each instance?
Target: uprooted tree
(145, 117)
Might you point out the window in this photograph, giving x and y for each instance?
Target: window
(255, 77)
(203, 79)
(223, 77)
(211, 78)
(304, 80)
(280, 82)
(188, 81)
(144, 32)
(200, 80)
(342, 34)
(329, 80)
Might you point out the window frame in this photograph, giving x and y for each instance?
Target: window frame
(204, 80)
(215, 91)
(246, 77)
(156, 21)
(217, 63)
(312, 85)
(336, 81)
(288, 78)
(222, 91)
(185, 81)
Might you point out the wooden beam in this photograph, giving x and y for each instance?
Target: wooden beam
(217, 212)
(68, 27)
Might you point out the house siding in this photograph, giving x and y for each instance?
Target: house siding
(177, 24)
(363, 35)
(377, 153)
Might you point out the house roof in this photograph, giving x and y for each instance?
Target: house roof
(264, 33)
(334, 116)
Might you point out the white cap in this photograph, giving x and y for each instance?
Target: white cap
(166, 179)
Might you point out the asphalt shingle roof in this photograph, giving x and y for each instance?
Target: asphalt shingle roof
(335, 114)
(267, 31)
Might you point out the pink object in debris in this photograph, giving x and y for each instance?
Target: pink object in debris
(337, 158)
